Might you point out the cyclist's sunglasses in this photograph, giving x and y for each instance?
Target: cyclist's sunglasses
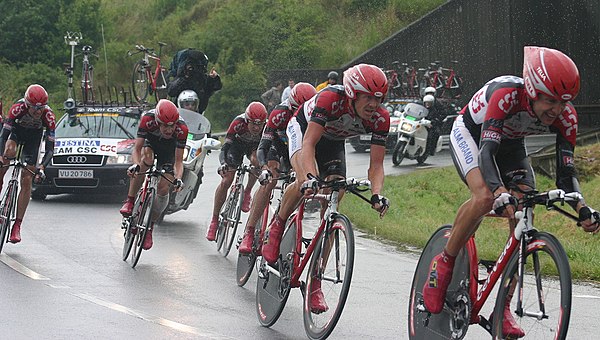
(37, 107)
(257, 122)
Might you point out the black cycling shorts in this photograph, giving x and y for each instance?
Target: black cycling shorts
(236, 152)
(164, 149)
(331, 157)
(31, 139)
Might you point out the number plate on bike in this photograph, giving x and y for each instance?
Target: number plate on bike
(64, 173)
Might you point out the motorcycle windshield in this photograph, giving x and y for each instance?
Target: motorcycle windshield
(197, 124)
(415, 110)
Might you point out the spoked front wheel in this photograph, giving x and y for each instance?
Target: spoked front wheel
(328, 279)
(143, 222)
(7, 211)
(453, 321)
(273, 283)
(233, 219)
(546, 293)
(129, 227)
(140, 84)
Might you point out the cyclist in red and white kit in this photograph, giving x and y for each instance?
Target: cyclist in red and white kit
(243, 136)
(487, 144)
(25, 124)
(161, 134)
(316, 141)
(272, 151)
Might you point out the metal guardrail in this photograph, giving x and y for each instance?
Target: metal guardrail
(544, 160)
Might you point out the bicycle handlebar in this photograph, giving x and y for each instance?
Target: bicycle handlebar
(17, 164)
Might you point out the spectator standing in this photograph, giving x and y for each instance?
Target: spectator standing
(272, 96)
(332, 79)
(287, 90)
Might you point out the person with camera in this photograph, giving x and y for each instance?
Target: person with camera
(189, 69)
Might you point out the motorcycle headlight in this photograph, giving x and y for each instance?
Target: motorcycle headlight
(186, 152)
(406, 127)
(123, 158)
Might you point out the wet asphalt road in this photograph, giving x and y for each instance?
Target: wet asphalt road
(66, 279)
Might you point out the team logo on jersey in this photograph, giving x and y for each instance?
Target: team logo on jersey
(567, 160)
(491, 135)
(508, 102)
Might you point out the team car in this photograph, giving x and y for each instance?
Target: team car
(92, 151)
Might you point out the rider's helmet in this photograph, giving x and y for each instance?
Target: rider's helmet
(256, 112)
(367, 79)
(333, 75)
(166, 112)
(550, 72)
(36, 95)
(430, 90)
(299, 94)
(428, 101)
(188, 99)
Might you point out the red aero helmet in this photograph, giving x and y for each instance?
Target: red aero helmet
(256, 113)
(550, 72)
(36, 95)
(301, 93)
(166, 112)
(367, 79)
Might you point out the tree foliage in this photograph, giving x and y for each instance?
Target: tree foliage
(244, 40)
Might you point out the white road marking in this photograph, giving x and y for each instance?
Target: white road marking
(9, 261)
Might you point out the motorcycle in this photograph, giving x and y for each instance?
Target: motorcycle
(413, 132)
(198, 145)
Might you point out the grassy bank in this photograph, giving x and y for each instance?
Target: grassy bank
(426, 199)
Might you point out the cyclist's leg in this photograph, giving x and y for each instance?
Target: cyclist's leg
(10, 150)
(135, 183)
(464, 154)
(260, 201)
(233, 159)
(251, 181)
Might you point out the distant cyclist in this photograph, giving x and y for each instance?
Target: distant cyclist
(25, 124)
(161, 134)
(317, 135)
(272, 152)
(487, 145)
(242, 139)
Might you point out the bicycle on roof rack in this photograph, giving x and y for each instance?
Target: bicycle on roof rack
(144, 82)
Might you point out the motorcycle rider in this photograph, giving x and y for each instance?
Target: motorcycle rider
(272, 148)
(188, 100)
(317, 135)
(493, 126)
(437, 113)
(242, 138)
(25, 124)
(161, 135)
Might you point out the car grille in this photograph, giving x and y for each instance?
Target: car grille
(78, 160)
(76, 182)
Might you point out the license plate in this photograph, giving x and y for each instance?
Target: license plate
(62, 173)
(365, 137)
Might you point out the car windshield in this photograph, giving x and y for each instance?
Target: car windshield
(98, 125)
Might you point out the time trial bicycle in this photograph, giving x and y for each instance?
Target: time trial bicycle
(8, 204)
(533, 264)
(137, 225)
(144, 82)
(331, 255)
(231, 212)
(246, 262)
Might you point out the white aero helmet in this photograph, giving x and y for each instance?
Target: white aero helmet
(188, 99)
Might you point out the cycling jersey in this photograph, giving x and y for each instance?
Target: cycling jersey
(26, 128)
(274, 139)
(163, 147)
(239, 134)
(500, 112)
(332, 109)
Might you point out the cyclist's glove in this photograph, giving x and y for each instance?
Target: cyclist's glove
(502, 201)
(178, 183)
(586, 213)
(222, 169)
(311, 184)
(40, 175)
(133, 169)
(265, 177)
(383, 202)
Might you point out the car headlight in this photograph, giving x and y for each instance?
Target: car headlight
(123, 158)
(394, 128)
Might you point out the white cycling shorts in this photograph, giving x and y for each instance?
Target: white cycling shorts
(465, 152)
(295, 136)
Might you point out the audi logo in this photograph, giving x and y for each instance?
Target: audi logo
(77, 159)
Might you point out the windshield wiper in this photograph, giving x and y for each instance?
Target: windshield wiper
(123, 128)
